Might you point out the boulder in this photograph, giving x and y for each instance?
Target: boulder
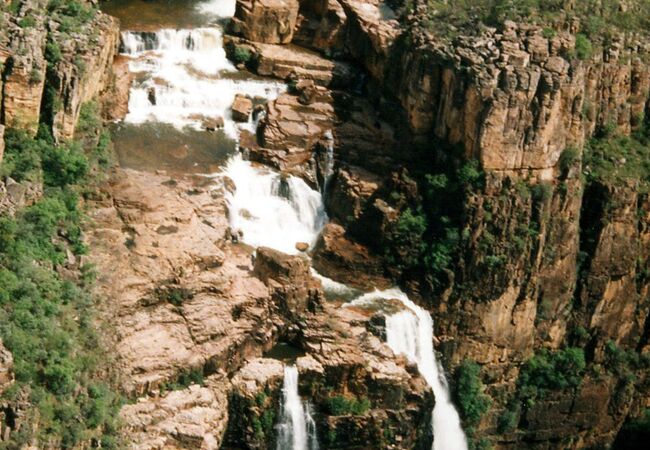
(213, 124)
(266, 21)
(242, 107)
(289, 278)
(338, 257)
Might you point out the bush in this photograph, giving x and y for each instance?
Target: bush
(568, 158)
(508, 420)
(468, 391)
(340, 405)
(405, 239)
(550, 371)
(64, 165)
(583, 48)
(46, 321)
(241, 55)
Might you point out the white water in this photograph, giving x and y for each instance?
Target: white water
(410, 332)
(218, 8)
(296, 428)
(272, 210)
(185, 69)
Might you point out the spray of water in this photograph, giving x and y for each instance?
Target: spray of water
(296, 428)
(271, 209)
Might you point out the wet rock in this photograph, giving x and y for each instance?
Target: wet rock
(213, 124)
(151, 95)
(302, 246)
(241, 108)
(266, 21)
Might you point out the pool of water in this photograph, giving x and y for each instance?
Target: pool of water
(156, 146)
(146, 15)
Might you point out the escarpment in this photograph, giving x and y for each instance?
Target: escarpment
(521, 220)
(497, 174)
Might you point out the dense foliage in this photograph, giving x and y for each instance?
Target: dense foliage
(340, 405)
(427, 236)
(471, 400)
(550, 371)
(46, 317)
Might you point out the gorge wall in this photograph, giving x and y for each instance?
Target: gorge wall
(547, 239)
(497, 176)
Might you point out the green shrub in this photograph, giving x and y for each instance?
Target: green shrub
(241, 55)
(550, 371)
(47, 321)
(405, 239)
(470, 175)
(508, 420)
(340, 405)
(27, 22)
(472, 402)
(568, 158)
(548, 33)
(583, 47)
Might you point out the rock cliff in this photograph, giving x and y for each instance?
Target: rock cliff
(531, 249)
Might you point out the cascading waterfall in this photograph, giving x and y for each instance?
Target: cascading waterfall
(327, 169)
(183, 79)
(271, 209)
(410, 332)
(296, 428)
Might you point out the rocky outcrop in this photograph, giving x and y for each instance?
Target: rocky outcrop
(266, 21)
(194, 417)
(322, 25)
(339, 257)
(115, 100)
(6, 368)
(539, 263)
(293, 288)
(2, 140)
(83, 72)
(255, 404)
(242, 107)
(24, 72)
(14, 195)
(187, 299)
(77, 70)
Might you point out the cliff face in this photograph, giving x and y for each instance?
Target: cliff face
(52, 64)
(548, 256)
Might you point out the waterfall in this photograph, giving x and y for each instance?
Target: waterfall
(184, 78)
(296, 429)
(272, 209)
(218, 8)
(326, 162)
(410, 332)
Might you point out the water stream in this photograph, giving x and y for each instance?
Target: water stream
(296, 429)
(184, 79)
(410, 332)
